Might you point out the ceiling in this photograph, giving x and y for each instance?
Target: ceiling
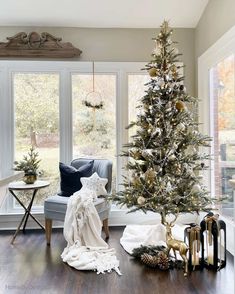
(101, 13)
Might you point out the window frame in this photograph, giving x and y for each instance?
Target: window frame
(223, 48)
(65, 69)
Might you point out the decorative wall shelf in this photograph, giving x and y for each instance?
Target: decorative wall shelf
(36, 45)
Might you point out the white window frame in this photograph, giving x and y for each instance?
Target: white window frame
(223, 48)
(65, 69)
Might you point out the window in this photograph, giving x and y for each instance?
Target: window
(42, 103)
(94, 130)
(136, 90)
(222, 96)
(36, 104)
(216, 111)
(215, 90)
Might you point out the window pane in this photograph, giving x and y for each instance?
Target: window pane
(36, 98)
(94, 130)
(222, 92)
(136, 90)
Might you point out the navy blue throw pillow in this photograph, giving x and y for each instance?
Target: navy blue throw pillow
(70, 177)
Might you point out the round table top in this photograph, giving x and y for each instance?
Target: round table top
(20, 185)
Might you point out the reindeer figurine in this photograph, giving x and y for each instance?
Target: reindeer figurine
(176, 245)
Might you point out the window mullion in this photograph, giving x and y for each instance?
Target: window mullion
(66, 129)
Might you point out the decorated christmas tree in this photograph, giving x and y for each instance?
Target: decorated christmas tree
(164, 162)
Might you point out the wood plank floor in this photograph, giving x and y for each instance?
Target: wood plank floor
(29, 266)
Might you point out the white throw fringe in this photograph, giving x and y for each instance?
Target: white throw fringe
(86, 250)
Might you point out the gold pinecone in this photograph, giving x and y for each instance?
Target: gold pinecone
(163, 261)
(149, 260)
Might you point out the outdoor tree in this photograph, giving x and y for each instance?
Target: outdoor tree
(164, 161)
(36, 105)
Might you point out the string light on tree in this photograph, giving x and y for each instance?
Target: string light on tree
(161, 150)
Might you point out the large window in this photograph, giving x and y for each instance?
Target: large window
(36, 115)
(42, 104)
(222, 95)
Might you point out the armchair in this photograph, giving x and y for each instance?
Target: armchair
(55, 206)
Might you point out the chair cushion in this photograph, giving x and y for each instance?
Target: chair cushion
(70, 177)
(55, 207)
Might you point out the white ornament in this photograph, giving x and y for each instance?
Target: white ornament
(196, 188)
(147, 152)
(161, 83)
(157, 50)
(181, 127)
(168, 187)
(159, 103)
(141, 200)
(172, 157)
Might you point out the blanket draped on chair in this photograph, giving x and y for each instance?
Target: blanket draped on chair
(86, 250)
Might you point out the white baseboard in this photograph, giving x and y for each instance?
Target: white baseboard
(118, 217)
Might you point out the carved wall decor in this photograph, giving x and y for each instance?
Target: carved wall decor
(36, 45)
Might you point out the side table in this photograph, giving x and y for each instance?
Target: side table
(22, 186)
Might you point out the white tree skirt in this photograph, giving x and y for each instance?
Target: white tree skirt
(136, 235)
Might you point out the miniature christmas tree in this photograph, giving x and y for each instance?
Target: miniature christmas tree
(29, 164)
(164, 161)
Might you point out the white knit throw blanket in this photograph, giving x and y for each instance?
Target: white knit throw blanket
(86, 250)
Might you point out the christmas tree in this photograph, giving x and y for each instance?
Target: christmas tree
(164, 161)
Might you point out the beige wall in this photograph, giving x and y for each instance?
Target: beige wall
(218, 18)
(119, 44)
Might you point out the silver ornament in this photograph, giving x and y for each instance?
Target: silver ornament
(156, 132)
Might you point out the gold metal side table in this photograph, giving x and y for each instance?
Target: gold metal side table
(21, 186)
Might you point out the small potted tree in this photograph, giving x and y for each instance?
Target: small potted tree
(30, 165)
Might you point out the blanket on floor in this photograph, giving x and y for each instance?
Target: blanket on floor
(136, 235)
(85, 249)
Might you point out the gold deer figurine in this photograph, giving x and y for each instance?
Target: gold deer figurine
(176, 245)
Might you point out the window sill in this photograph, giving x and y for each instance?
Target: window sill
(15, 175)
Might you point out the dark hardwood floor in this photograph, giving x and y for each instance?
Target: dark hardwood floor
(29, 266)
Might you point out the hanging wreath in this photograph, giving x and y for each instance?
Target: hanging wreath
(93, 95)
(93, 106)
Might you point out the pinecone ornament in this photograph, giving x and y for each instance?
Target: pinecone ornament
(163, 261)
(149, 260)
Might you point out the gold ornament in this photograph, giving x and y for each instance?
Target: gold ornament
(136, 182)
(136, 154)
(153, 72)
(141, 200)
(180, 105)
(174, 72)
(150, 175)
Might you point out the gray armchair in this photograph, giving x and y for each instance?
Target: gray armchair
(55, 206)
